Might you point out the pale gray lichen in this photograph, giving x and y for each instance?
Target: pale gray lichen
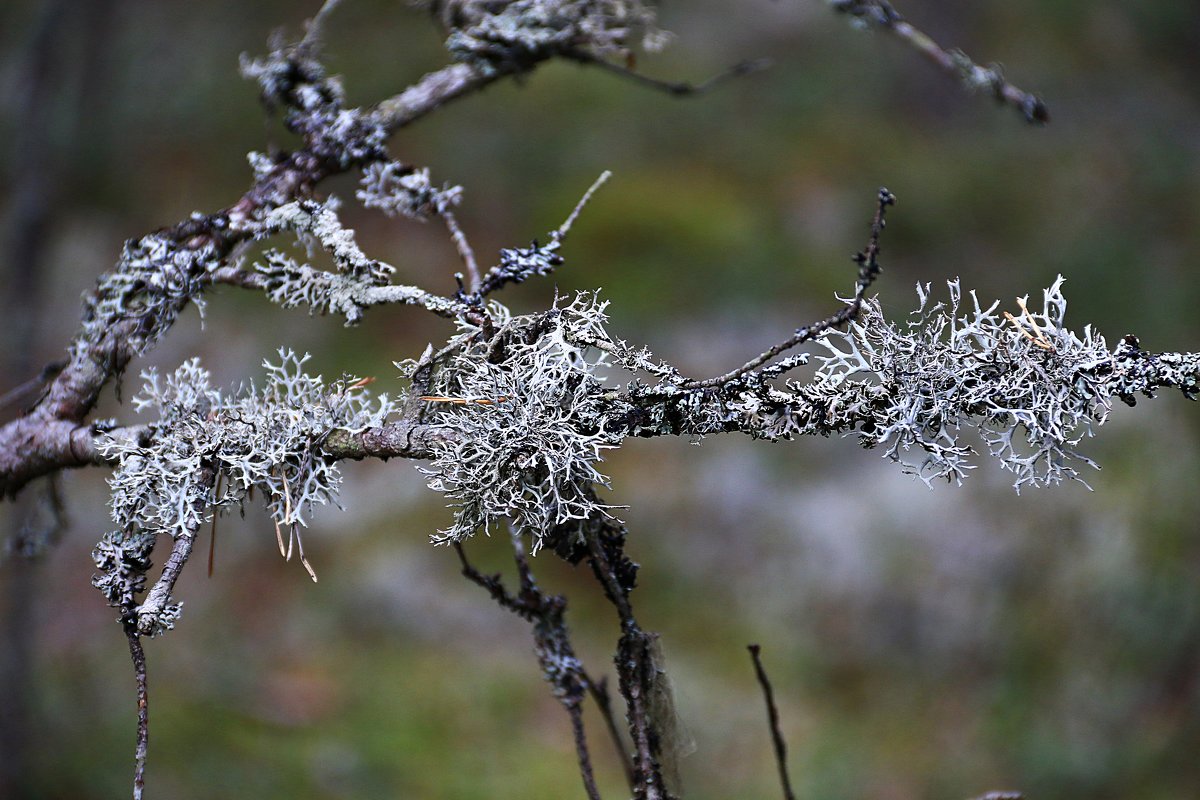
(294, 79)
(497, 37)
(396, 188)
(292, 284)
(261, 164)
(528, 438)
(153, 281)
(1030, 387)
(264, 438)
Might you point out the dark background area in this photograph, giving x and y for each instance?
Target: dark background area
(923, 643)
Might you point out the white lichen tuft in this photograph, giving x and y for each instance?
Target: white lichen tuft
(1030, 387)
(290, 284)
(266, 439)
(398, 189)
(152, 283)
(498, 37)
(527, 420)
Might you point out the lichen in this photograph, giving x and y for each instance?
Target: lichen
(266, 439)
(1031, 388)
(498, 38)
(528, 439)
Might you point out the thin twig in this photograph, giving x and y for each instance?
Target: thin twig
(28, 391)
(143, 703)
(316, 25)
(773, 719)
(149, 613)
(560, 667)
(868, 270)
(157, 599)
(674, 88)
(464, 249)
(882, 15)
(599, 692)
(212, 538)
(581, 751)
(636, 670)
(565, 228)
(550, 635)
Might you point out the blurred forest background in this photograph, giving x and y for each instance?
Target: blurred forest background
(923, 643)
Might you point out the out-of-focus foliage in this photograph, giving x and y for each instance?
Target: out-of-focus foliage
(922, 643)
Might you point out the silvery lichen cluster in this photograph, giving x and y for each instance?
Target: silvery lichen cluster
(1030, 387)
(360, 281)
(499, 36)
(211, 449)
(153, 281)
(293, 78)
(520, 405)
(291, 284)
(525, 406)
(398, 189)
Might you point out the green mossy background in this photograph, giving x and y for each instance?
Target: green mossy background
(923, 644)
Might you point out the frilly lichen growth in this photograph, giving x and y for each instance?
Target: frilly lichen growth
(501, 37)
(399, 189)
(1030, 387)
(153, 281)
(264, 438)
(526, 407)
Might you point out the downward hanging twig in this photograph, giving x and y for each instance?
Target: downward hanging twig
(560, 667)
(773, 718)
(143, 704)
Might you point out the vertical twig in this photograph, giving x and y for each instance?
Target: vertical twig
(581, 751)
(143, 703)
(599, 691)
(560, 667)
(773, 719)
(558, 661)
(636, 670)
(465, 252)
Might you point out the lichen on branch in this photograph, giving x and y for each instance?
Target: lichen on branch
(210, 450)
(525, 407)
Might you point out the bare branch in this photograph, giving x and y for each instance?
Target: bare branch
(565, 228)
(464, 249)
(599, 691)
(773, 719)
(675, 88)
(316, 25)
(868, 270)
(880, 14)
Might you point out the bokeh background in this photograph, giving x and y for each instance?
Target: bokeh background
(923, 643)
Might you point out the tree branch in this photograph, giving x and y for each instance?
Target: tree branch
(560, 667)
(138, 655)
(880, 14)
(773, 719)
(868, 270)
